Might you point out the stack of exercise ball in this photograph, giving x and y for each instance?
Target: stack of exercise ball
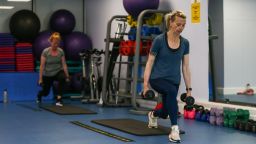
(41, 42)
(63, 21)
(73, 42)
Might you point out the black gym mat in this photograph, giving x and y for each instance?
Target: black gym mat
(102, 132)
(132, 126)
(67, 110)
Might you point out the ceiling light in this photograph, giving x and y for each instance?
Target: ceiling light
(6, 7)
(18, 0)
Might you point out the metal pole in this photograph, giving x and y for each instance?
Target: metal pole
(137, 50)
(211, 57)
(106, 59)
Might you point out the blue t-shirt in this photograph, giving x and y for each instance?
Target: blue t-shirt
(167, 62)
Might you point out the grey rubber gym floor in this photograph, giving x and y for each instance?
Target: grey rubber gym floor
(25, 123)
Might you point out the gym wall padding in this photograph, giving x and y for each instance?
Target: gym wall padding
(20, 86)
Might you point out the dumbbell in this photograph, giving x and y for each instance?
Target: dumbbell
(149, 95)
(188, 100)
(41, 84)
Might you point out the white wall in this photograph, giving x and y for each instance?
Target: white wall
(98, 12)
(198, 37)
(239, 43)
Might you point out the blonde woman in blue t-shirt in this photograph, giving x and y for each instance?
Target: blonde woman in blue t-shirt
(169, 52)
(53, 67)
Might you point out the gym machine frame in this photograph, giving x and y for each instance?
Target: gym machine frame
(108, 40)
(135, 78)
(136, 109)
(93, 58)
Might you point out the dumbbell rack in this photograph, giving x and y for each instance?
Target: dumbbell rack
(105, 87)
(135, 62)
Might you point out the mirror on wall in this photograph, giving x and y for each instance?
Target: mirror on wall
(232, 70)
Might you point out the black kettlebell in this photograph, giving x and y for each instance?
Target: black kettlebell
(149, 95)
(188, 107)
(198, 107)
(188, 100)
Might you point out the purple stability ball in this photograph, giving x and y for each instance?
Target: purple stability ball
(41, 42)
(135, 7)
(62, 21)
(76, 42)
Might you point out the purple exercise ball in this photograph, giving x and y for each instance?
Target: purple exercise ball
(76, 81)
(62, 21)
(41, 42)
(76, 42)
(135, 7)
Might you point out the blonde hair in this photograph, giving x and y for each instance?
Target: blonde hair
(170, 17)
(55, 35)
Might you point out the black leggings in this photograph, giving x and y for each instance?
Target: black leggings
(48, 82)
(169, 93)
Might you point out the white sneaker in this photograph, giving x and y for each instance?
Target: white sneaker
(152, 121)
(174, 136)
(59, 104)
